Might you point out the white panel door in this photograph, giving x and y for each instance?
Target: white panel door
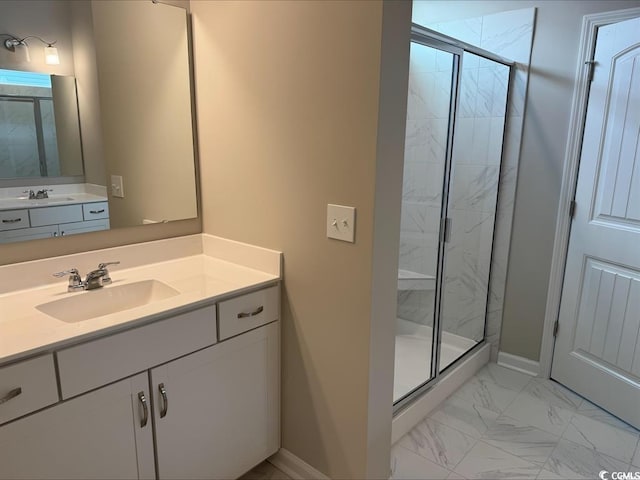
(96, 435)
(216, 411)
(597, 350)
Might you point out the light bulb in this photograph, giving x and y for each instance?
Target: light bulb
(51, 55)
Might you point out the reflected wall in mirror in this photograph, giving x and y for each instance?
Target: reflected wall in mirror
(108, 130)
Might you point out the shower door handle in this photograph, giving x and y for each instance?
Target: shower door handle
(445, 229)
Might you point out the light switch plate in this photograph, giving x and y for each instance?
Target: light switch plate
(117, 186)
(341, 222)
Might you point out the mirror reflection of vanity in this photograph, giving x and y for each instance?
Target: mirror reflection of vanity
(104, 139)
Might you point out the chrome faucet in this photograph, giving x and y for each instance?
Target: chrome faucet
(43, 193)
(95, 279)
(39, 195)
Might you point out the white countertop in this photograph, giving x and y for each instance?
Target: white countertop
(53, 200)
(200, 279)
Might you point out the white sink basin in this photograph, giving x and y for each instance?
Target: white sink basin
(78, 307)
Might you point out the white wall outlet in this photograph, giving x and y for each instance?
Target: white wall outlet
(341, 222)
(117, 186)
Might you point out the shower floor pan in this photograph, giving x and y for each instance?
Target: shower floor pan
(413, 355)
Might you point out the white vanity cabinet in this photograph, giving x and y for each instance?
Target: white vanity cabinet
(54, 221)
(95, 435)
(192, 406)
(216, 412)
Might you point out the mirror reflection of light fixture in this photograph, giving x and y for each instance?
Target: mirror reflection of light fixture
(50, 52)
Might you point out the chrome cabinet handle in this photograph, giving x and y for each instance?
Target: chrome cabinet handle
(257, 311)
(12, 394)
(145, 409)
(12, 220)
(165, 402)
(96, 211)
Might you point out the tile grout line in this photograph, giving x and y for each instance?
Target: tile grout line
(476, 440)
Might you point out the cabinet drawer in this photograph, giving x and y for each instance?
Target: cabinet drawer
(248, 311)
(94, 211)
(96, 363)
(52, 215)
(12, 219)
(27, 386)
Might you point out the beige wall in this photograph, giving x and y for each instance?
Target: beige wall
(65, 105)
(84, 58)
(143, 72)
(546, 123)
(289, 97)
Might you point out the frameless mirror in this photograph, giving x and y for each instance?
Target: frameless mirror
(106, 137)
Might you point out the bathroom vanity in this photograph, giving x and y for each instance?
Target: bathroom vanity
(52, 220)
(182, 383)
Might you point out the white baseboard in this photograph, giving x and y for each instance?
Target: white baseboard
(294, 466)
(408, 418)
(518, 363)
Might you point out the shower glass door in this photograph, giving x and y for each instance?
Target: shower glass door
(457, 103)
(472, 202)
(431, 101)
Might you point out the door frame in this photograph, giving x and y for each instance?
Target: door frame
(590, 25)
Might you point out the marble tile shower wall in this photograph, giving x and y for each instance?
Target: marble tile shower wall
(425, 144)
(509, 34)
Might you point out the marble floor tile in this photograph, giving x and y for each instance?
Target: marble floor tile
(486, 394)
(265, 471)
(521, 440)
(504, 377)
(540, 414)
(616, 442)
(486, 461)
(464, 416)
(406, 464)
(437, 442)
(553, 392)
(455, 476)
(548, 475)
(572, 460)
(590, 410)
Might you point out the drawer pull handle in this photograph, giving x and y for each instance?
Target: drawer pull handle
(257, 311)
(12, 220)
(12, 394)
(96, 211)
(165, 402)
(145, 409)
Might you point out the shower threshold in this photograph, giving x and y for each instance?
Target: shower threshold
(413, 355)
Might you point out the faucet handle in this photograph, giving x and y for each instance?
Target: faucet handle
(71, 271)
(75, 281)
(106, 278)
(102, 266)
(31, 194)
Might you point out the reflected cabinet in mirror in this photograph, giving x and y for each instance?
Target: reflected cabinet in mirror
(104, 138)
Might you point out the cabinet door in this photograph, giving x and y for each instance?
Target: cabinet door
(96, 435)
(28, 234)
(219, 415)
(83, 227)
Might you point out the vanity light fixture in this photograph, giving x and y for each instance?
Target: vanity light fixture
(50, 52)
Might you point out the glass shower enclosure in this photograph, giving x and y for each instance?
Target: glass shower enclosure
(456, 111)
